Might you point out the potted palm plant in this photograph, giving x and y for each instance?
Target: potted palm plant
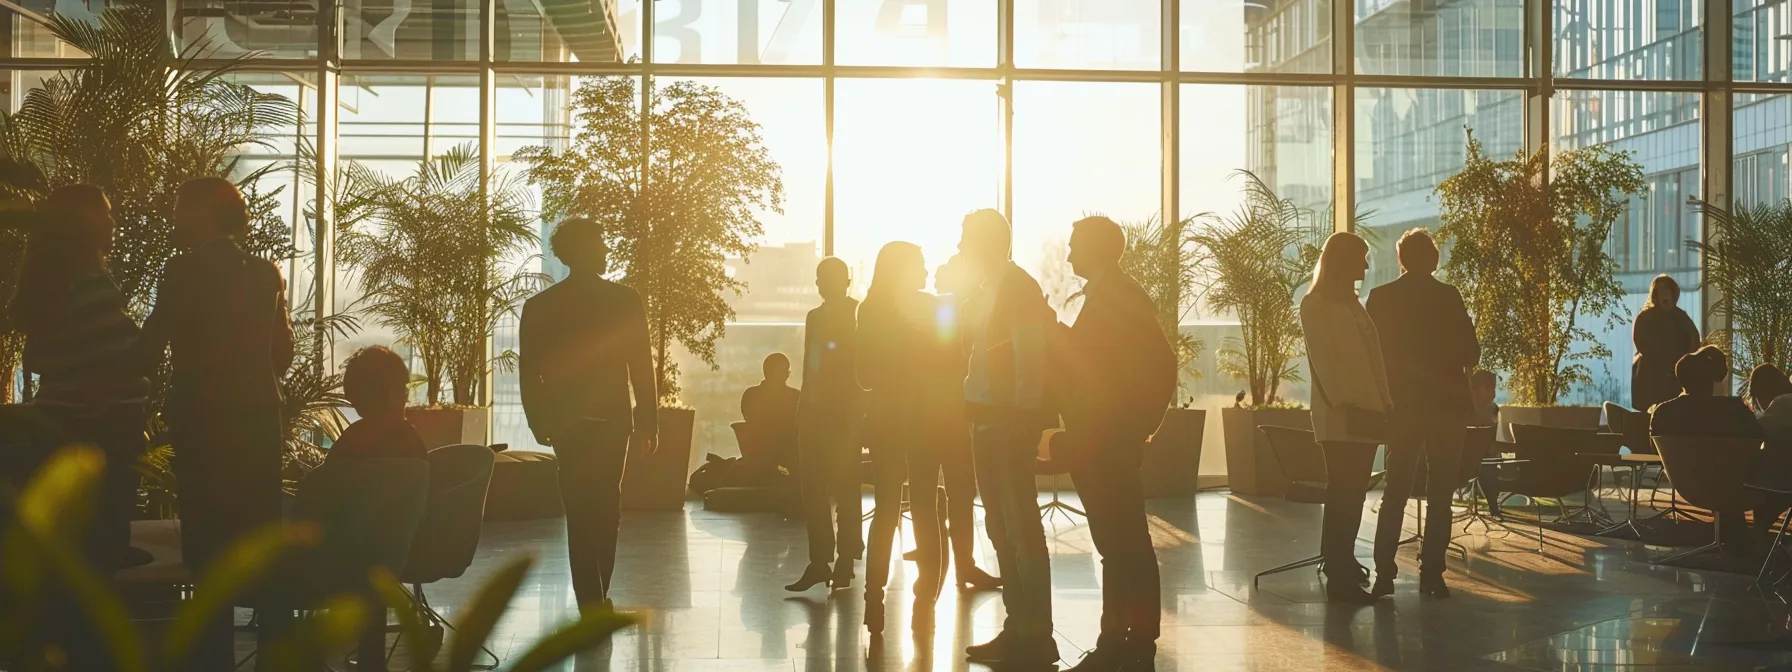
(1526, 239)
(440, 262)
(1747, 255)
(1251, 263)
(670, 229)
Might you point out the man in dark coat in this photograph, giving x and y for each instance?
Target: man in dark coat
(222, 314)
(1124, 374)
(584, 349)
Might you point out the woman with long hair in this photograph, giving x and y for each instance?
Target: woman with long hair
(1350, 392)
(1663, 333)
(899, 352)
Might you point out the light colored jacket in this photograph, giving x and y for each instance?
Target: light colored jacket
(1344, 364)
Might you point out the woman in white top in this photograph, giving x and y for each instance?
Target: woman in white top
(1345, 366)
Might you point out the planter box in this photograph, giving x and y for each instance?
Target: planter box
(451, 426)
(1568, 417)
(1173, 456)
(656, 482)
(1250, 468)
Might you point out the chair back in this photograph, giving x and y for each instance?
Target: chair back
(1631, 424)
(1553, 466)
(1476, 447)
(1710, 472)
(1302, 462)
(449, 535)
(367, 512)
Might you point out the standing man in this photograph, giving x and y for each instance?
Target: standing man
(829, 418)
(584, 349)
(1005, 326)
(1428, 343)
(1125, 375)
(222, 314)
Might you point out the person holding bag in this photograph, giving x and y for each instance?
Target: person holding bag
(1351, 404)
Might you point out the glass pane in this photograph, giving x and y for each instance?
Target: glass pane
(1282, 134)
(1661, 132)
(1081, 149)
(916, 32)
(1763, 41)
(1762, 139)
(1277, 36)
(271, 29)
(737, 31)
(911, 158)
(29, 36)
(443, 30)
(1628, 39)
(1455, 39)
(565, 31)
(1088, 34)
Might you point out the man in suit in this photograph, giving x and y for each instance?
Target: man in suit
(1006, 324)
(584, 349)
(222, 314)
(1125, 376)
(829, 414)
(1428, 344)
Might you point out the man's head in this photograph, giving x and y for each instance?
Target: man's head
(375, 380)
(832, 279)
(1765, 384)
(1482, 385)
(1700, 371)
(1417, 252)
(209, 208)
(777, 368)
(986, 238)
(1096, 245)
(579, 243)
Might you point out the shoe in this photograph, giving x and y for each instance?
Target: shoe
(911, 556)
(1101, 659)
(814, 576)
(990, 651)
(1015, 652)
(1341, 592)
(1433, 585)
(842, 576)
(1384, 585)
(874, 611)
(974, 579)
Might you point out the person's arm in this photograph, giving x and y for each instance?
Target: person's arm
(811, 361)
(640, 369)
(1318, 337)
(747, 410)
(281, 347)
(1029, 318)
(529, 367)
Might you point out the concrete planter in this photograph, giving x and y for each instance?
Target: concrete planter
(656, 482)
(1251, 468)
(1173, 457)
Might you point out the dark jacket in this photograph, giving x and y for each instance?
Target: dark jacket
(1706, 416)
(1006, 325)
(830, 346)
(1427, 343)
(378, 438)
(1662, 335)
(222, 313)
(769, 409)
(1122, 366)
(584, 347)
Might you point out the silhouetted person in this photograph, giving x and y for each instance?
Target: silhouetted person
(1483, 386)
(1429, 345)
(769, 410)
(1662, 334)
(584, 350)
(899, 347)
(376, 382)
(1700, 412)
(955, 280)
(1005, 327)
(1770, 393)
(221, 312)
(1344, 362)
(1124, 375)
(829, 421)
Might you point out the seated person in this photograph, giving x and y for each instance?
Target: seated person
(1770, 392)
(374, 379)
(769, 409)
(1700, 411)
(1482, 385)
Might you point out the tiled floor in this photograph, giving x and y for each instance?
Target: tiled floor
(708, 588)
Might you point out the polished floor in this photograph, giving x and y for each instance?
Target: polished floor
(708, 590)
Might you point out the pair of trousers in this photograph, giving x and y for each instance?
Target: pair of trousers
(1131, 593)
(117, 432)
(960, 476)
(591, 467)
(1005, 458)
(833, 510)
(1347, 467)
(1434, 444)
(895, 459)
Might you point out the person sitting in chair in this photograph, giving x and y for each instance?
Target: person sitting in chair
(769, 409)
(1700, 411)
(1770, 392)
(374, 381)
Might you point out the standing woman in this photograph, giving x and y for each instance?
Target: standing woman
(898, 355)
(1350, 390)
(1663, 333)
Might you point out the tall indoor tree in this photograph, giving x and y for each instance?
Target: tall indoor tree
(1526, 239)
(1747, 256)
(678, 187)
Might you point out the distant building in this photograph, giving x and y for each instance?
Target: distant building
(780, 283)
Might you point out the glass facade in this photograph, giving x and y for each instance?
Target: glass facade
(889, 119)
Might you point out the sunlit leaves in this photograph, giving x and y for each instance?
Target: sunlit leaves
(1747, 257)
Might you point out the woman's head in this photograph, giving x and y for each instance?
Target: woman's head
(73, 236)
(1342, 263)
(1766, 383)
(80, 215)
(1700, 371)
(1664, 291)
(900, 266)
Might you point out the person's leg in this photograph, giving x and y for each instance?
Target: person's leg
(1101, 484)
(1131, 540)
(923, 481)
(1443, 458)
(611, 461)
(1402, 464)
(847, 462)
(889, 469)
(203, 512)
(1028, 594)
(961, 494)
(818, 518)
(1347, 481)
(986, 446)
(590, 491)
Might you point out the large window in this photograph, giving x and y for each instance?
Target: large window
(1081, 149)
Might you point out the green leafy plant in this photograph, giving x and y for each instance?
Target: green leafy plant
(1163, 259)
(1526, 239)
(1250, 263)
(675, 203)
(1747, 256)
(440, 261)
